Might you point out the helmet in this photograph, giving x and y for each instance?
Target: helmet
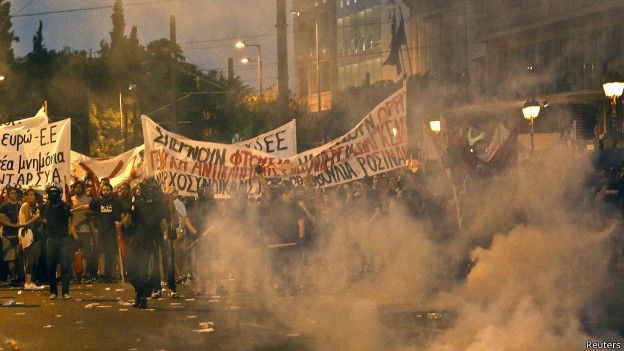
(53, 187)
(148, 191)
(54, 191)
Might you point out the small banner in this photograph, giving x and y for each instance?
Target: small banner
(35, 156)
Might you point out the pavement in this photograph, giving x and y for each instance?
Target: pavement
(101, 317)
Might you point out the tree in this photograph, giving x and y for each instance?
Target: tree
(7, 36)
(38, 47)
(117, 34)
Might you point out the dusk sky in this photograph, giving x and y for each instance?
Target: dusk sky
(207, 29)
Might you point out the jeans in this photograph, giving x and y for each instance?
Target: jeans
(58, 251)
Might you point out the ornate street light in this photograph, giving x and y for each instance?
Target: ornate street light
(530, 111)
(613, 91)
(436, 126)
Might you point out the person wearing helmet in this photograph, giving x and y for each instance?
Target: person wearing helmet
(56, 217)
(147, 218)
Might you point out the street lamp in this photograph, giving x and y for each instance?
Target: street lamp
(530, 111)
(436, 126)
(318, 64)
(241, 45)
(613, 91)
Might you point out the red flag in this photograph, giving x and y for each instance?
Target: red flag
(67, 193)
(121, 242)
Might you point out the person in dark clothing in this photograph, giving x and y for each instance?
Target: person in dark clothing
(56, 217)
(107, 210)
(149, 227)
(200, 240)
(290, 239)
(9, 211)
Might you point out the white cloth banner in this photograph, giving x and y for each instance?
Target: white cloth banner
(281, 141)
(129, 165)
(187, 164)
(41, 118)
(35, 156)
(375, 145)
(119, 169)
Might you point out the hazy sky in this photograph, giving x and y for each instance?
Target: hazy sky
(206, 29)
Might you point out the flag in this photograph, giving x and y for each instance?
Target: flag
(394, 58)
(501, 134)
(400, 33)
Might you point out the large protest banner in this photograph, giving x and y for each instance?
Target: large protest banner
(119, 169)
(35, 156)
(41, 118)
(377, 144)
(281, 141)
(187, 164)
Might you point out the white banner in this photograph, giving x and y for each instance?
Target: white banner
(35, 156)
(187, 164)
(119, 169)
(281, 141)
(376, 145)
(41, 118)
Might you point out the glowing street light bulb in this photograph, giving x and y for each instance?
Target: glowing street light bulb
(531, 109)
(613, 90)
(1, 78)
(245, 60)
(239, 44)
(436, 126)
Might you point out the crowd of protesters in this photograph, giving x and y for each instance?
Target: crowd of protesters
(158, 239)
(87, 232)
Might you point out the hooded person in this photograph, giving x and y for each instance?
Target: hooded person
(147, 220)
(56, 217)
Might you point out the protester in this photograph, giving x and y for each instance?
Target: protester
(56, 216)
(149, 227)
(9, 212)
(86, 231)
(30, 219)
(106, 211)
(199, 250)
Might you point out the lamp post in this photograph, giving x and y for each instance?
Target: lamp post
(530, 111)
(241, 45)
(318, 63)
(613, 90)
(436, 126)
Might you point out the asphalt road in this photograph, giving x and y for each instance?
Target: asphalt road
(100, 317)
